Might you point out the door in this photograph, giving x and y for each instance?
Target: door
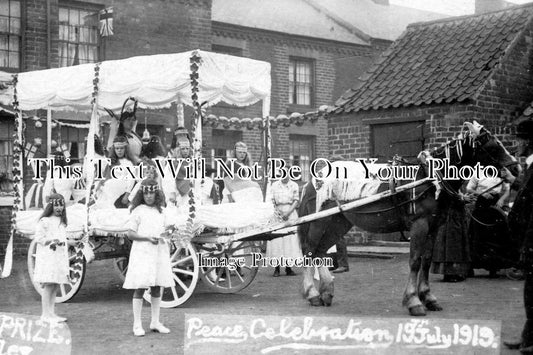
(405, 139)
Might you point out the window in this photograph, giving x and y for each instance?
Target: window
(300, 82)
(10, 34)
(7, 128)
(78, 36)
(301, 153)
(218, 48)
(223, 143)
(75, 139)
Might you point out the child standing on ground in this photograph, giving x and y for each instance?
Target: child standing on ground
(51, 259)
(149, 262)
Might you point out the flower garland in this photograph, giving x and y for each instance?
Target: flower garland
(78, 259)
(17, 178)
(197, 116)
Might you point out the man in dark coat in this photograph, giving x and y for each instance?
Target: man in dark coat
(521, 224)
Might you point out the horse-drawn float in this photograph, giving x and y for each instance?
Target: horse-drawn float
(196, 79)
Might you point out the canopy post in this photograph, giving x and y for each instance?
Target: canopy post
(268, 151)
(93, 128)
(48, 132)
(180, 114)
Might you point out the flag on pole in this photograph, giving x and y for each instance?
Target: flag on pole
(106, 22)
(30, 150)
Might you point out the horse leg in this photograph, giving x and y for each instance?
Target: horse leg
(309, 290)
(326, 285)
(419, 230)
(424, 293)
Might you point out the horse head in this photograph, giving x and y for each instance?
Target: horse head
(489, 150)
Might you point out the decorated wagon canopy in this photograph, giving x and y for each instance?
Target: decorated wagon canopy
(155, 81)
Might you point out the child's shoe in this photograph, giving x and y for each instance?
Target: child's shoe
(160, 328)
(138, 331)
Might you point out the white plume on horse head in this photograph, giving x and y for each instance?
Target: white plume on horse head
(474, 128)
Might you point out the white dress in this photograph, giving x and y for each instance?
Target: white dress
(149, 264)
(114, 188)
(51, 266)
(283, 195)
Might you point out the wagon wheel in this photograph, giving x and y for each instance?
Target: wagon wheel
(514, 274)
(185, 266)
(121, 266)
(77, 267)
(121, 263)
(222, 279)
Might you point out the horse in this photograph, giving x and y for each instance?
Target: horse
(414, 210)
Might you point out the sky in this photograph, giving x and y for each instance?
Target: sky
(450, 7)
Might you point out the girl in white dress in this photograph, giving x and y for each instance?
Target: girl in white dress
(237, 189)
(51, 259)
(149, 262)
(112, 189)
(59, 184)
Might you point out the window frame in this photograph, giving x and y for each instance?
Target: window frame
(312, 63)
(229, 50)
(80, 6)
(226, 135)
(20, 36)
(10, 123)
(309, 139)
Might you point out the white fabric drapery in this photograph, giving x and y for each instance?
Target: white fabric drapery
(155, 81)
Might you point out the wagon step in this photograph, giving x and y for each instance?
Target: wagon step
(364, 249)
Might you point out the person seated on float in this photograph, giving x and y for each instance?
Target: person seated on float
(153, 149)
(237, 189)
(59, 184)
(489, 191)
(168, 183)
(114, 192)
(127, 122)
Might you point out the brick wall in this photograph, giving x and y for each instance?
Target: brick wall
(330, 59)
(148, 27)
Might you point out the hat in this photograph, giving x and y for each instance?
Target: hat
(524, 129)
(181, 138)
(241, 147)
(149, 185)
(120, 141)
(56, 199)
(155, 139)
(128, 112)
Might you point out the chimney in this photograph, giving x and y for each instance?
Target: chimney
(483, 6)
(382, 2)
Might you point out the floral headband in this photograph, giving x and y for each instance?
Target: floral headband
(57, 202)
(150, 188)
(120, 144)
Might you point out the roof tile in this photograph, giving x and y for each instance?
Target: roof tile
(440, 61)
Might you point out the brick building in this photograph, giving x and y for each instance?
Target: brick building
(436, 76)
(316, 53)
